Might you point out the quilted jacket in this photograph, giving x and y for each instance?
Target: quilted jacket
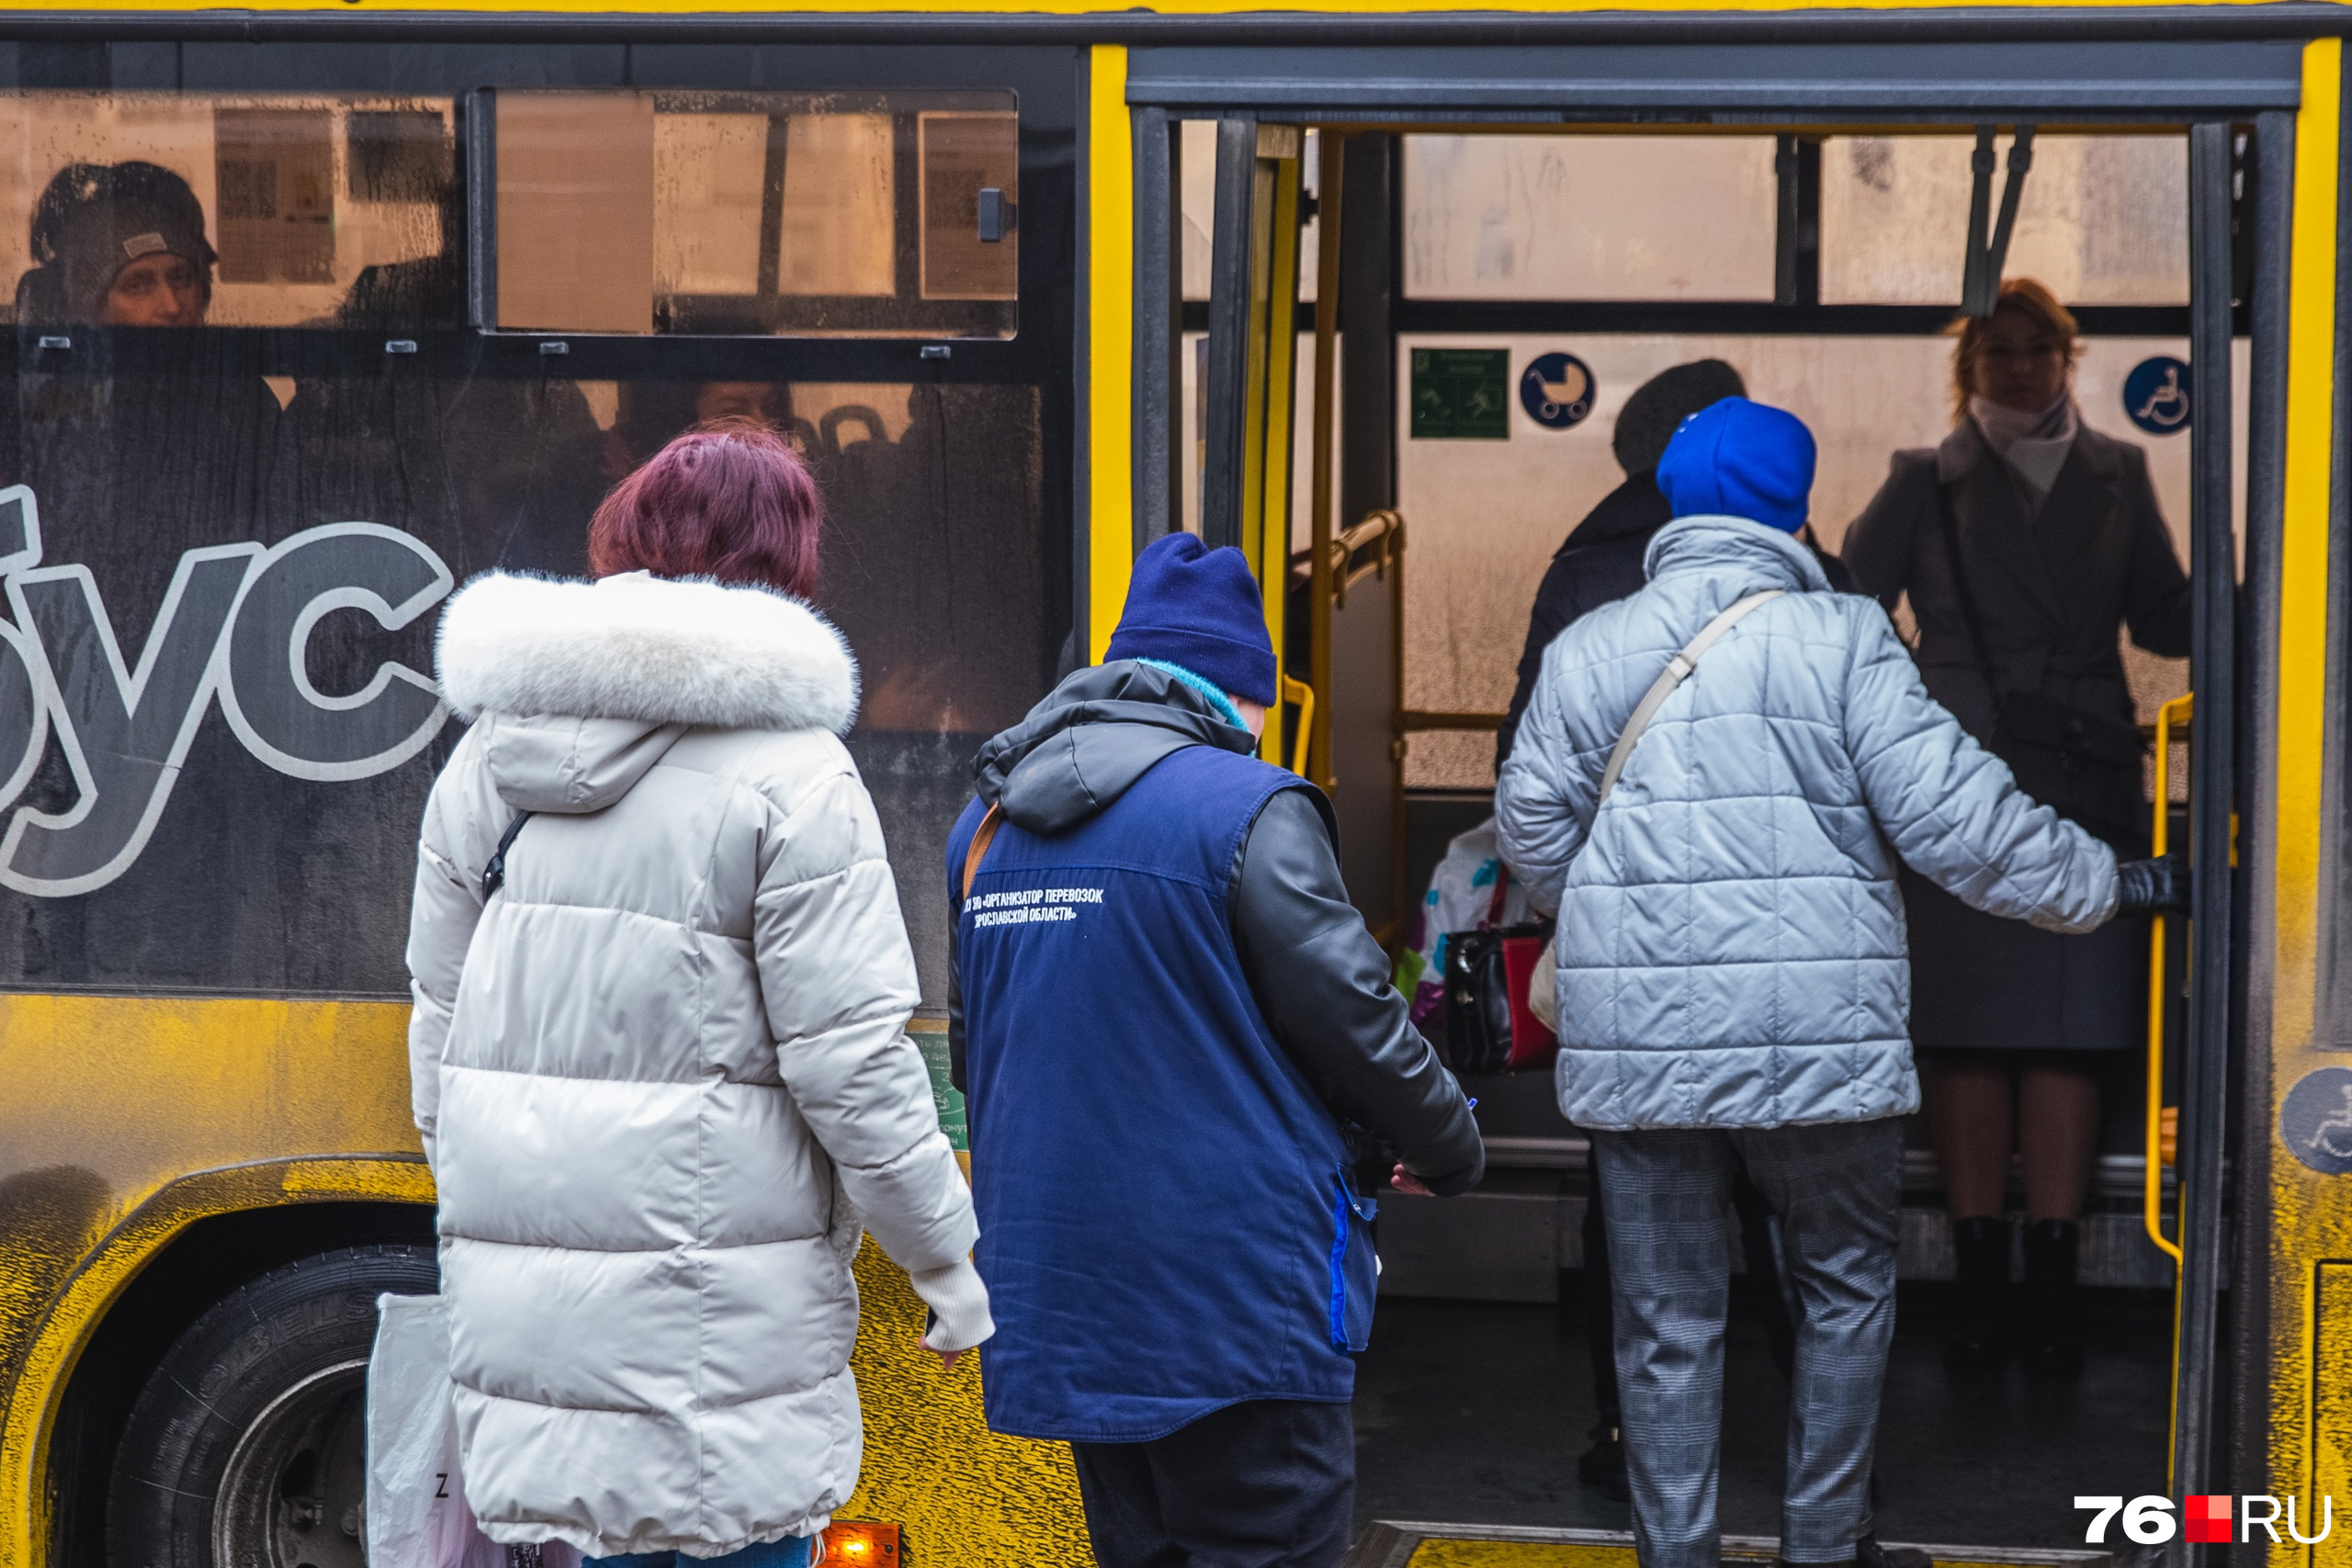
(1731, 949)
(660, 1072)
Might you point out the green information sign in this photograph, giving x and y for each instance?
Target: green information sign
(1461, 394)
(931, 1037)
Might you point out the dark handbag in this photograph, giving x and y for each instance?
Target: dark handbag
(2074, 760)
(1489, 1028)
(1489, 1025)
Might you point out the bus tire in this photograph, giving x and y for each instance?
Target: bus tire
(247, 1449)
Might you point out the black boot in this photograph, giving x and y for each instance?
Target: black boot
(1602, 1466)
(2053, 1303)
(1869, 1553)
(1981, 1338)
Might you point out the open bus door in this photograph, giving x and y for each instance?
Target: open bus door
(1348, 582)
(1344, 585)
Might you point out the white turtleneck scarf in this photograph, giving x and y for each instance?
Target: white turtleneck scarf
(2034, 445)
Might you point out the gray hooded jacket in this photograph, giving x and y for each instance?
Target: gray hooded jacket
(1731, 950)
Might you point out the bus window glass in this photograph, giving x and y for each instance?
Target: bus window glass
(838, 199)
(1197, 193)
(226, 210)
(887, 215)
(934, 565)
(1589, 217)
(2102, 220)
(1486, 515)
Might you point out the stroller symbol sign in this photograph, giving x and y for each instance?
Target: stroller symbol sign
(2156, 395)
(2316, 1121)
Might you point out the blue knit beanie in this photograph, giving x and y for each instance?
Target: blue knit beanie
(1737, 458)
(1192, 605)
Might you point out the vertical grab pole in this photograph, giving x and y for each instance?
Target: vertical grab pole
(1226, 437)
(1159, 328)
(1329, 151)
(2153, 1178)
(2204, 1086)
(1277, 440)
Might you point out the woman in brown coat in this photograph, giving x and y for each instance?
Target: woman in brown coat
(2027, 542)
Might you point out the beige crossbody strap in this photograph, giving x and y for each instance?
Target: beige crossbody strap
(982, 837)
(1677, 670)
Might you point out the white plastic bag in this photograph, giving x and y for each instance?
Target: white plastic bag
(417, 1512)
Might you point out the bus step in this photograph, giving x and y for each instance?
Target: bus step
(1396, 1543)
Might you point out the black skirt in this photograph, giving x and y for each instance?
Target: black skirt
(1981, 983)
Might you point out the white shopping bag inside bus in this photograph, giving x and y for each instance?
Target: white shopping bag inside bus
(417, 1516)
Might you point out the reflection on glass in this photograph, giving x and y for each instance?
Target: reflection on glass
(2102, 220)
(1589, 217)
(174, 210)
(759, 213)
(934, 567)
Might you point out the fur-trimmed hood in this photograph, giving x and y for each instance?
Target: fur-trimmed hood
(659, 650)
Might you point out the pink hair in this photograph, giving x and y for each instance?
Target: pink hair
(731, 500)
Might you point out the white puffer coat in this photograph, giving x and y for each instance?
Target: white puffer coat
(662, 1073)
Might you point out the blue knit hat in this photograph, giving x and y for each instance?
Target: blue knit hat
(1192, 605)
(1737, 459)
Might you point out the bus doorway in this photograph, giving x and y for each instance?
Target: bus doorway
(1384, 338)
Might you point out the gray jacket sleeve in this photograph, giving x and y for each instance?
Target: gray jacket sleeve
(1545, 797)
(1322, 983)
(1953, 811)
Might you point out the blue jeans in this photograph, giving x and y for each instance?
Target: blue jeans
(790, 1553)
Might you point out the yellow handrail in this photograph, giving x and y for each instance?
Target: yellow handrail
(2180, 710)
(1299, 691)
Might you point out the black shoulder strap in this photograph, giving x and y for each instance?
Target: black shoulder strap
(494, 875)
(1948, 512)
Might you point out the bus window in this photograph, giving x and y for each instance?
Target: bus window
(2104, 220)
(882, 215)
(295, 206)
(1588, 218)
(1487, 514)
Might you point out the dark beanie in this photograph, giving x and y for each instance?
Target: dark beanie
(1660, 404)
(1740, 459)
(1192, 605)
(93, 220)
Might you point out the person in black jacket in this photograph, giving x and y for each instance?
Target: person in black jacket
(1601, 561)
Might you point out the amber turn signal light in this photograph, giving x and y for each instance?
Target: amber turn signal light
(860, 1544)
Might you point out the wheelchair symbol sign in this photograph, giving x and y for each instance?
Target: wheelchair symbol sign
(2316, 1121)
(2156, 395)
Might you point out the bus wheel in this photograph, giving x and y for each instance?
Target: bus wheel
(247, 1448)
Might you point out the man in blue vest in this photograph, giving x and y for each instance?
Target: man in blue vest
(1171, 1025)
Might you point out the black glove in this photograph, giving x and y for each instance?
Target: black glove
(2142, 885)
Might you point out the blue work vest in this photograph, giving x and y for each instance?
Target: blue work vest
(1167, 1220)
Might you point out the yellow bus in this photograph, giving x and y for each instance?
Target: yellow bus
(319, 311)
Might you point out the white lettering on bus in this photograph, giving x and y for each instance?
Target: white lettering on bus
(236, 623)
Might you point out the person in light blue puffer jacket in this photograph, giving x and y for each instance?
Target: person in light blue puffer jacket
(1733, 977)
